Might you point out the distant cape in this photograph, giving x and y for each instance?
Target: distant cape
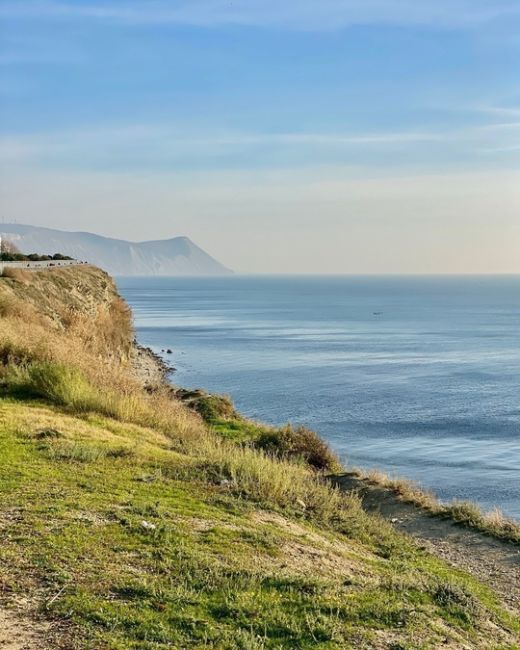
(177, 256)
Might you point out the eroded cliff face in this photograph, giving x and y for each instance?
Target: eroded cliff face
(56, 292)
(60, 306)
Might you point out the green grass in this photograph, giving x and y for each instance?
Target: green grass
(133, 522)
(297, 444)
(223, 565)
(286, 442)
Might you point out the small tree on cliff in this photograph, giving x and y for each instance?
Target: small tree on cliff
(7, 247)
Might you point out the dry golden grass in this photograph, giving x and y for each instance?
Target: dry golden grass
(77, 358)
(16, 274)
(107, 332)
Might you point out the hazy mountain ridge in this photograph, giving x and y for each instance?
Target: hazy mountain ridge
(176, 256)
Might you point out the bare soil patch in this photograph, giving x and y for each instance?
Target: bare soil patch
(19, 632)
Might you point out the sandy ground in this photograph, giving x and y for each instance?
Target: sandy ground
(19, 632)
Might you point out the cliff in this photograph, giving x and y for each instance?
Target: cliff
(128, 521)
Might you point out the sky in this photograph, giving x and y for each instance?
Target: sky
(304, 136)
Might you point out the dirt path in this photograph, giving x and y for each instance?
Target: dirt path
(491, 561)
(18, 632)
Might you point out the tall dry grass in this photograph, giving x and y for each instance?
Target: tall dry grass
(80, 360)
(16, 274)
(60, 368)
(264, 478)
(109, 332)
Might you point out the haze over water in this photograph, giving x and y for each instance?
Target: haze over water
(419, 377)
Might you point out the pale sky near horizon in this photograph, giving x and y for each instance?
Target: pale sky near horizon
(316, 136)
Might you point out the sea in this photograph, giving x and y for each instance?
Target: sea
(415, 376)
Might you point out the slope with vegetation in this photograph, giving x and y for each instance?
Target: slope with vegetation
(129, 522)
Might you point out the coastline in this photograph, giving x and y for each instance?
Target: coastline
(148, 366)
(153, 371)
(137, 473)
(487, 546)
(410, 393)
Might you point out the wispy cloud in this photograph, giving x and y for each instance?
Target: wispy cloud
(159, 144)
(501, 126)
(300, 14)
(160, 147)
(512, 148)
(503, 112)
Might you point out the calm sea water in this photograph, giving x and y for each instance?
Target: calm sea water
(417, 376)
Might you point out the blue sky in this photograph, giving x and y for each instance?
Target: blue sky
(311, 136)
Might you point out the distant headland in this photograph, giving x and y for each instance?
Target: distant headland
(169, 257)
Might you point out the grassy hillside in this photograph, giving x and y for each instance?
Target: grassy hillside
(127, 522)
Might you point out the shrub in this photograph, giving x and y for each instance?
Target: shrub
(213, 407)
(59, 256)
(56, 382)
(300, 442)
(17, 256)
(465, 512)
(457, 601)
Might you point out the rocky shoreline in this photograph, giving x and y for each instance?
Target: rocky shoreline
(149, 367)
(153, 372)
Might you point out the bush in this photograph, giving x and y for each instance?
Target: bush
(300, 442)
(56, 382)
(213, 407)
(12, 257)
